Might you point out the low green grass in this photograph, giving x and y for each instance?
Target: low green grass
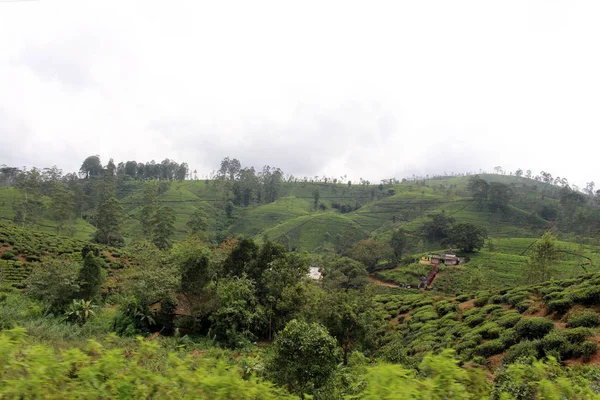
(312, 232)
(256, 220)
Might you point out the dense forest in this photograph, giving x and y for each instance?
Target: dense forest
(141, 280)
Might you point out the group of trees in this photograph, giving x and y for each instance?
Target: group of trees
(236, 293)
(495, 195)
(169, 170)
(91, 195)
(248, 186)
(68, 287)
(444, 230)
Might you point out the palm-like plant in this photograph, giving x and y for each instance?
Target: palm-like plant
(80, 311)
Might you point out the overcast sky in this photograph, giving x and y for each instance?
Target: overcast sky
(368, 89)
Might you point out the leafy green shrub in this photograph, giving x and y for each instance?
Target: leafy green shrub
(462, 298)
(514, 299)
(466, 346)
(450, 316)
(587, 296)
(491, 308)
(490, 348)
(533, 328)
(8, 255)
(521, 350)
(509, 337)
(32, 258)
(560, 306)
(588, 319)
(496, 299)
(473, 335)
(489, 330)
(508, 320)
(587, 349)
(523, 306)
(444, 307)
(479, 360)
(577, 335)
(550, 289)
(481, 301)
(474, 320)
(556, 344)
(423, 303)
(424, 314)
(404, 309)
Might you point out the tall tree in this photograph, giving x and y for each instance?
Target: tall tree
(438, 228)
(398, 243)
(149, 206)
(163, 227)
(198, 222)
(467, 237)
(479, 189)
(91, 168)
(543, 259)
(305, 357)
(316, 195)
(499, 197)
(349, 317)
(62, 206)
(91, 276)
(344, 273)
(109, 221)
(370, 253)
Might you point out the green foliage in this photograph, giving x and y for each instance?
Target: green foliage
(588, 319)
(193, 260)
(236, 316)
(540, 380)
(305, 357)
(370, 253)
(398, 243)
(533, 328)
(152, 276)
(344, 273)
(543, 257)
(198, 222)
(438, 228)
(560, 306)
(522, 350)
(149, 206)
(80, 311)
(55, 283)
(91, 276)
(8, 255)
(350, 318)
(490, 348)
(440, 378)
(139, 373)
(109, 222)
(163, 227)
(508, 320)
(467, 237)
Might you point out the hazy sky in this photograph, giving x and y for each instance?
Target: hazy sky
(369, 89)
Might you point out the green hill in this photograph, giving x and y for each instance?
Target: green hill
(342, 211)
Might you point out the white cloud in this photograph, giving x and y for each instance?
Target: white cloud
(370, 90)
